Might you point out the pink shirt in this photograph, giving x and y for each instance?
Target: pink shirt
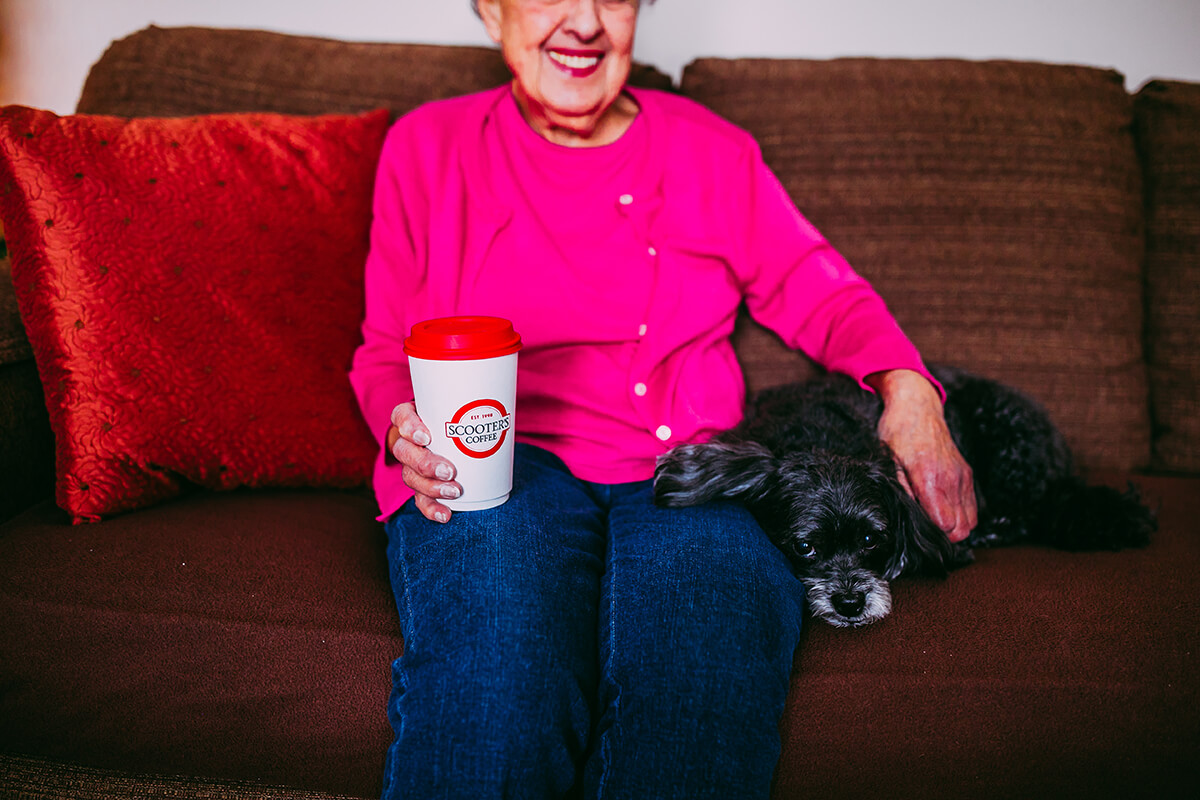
(622, 267)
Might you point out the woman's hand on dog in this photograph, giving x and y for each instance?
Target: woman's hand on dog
(425, 472)
(931, 467)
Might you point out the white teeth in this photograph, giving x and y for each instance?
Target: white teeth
(575, 62)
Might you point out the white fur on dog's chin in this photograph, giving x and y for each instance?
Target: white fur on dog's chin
(878, 604)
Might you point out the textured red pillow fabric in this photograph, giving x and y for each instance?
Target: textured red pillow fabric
(192, 290)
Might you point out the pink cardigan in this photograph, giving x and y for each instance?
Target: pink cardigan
(711, 225)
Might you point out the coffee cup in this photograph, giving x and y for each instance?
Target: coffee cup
(464, 377)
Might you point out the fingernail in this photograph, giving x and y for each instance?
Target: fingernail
(441, 516)
(450, 492)
(443, 472)
(421, 438)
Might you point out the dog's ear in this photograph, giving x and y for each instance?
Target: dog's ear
(921, 546)
(692, 474)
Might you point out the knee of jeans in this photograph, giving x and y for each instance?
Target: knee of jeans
(513, 668)
(731, 623)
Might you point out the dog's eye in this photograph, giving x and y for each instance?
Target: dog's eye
(872, 540)
(804, 550)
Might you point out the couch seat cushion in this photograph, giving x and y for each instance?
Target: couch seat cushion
(248, 636)
(240, 635)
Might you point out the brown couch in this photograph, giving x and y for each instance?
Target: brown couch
(1035, 223)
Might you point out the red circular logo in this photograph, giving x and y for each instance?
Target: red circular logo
(478, 429)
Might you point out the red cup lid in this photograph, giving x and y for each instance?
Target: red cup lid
(462, 338)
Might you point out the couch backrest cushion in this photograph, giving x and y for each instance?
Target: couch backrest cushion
(996, 207)
(192, 291)
(1168, 131)
(183, 71)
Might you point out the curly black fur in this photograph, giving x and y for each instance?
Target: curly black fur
(807, 461)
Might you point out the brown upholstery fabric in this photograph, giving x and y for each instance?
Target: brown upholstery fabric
(247, 636)
(184, 71)
(236, 636)
(1168, 132)
(1018, 184)
(39, 779)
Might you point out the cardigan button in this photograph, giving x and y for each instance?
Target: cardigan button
(663, 433)
(640, 389)
(625, 199)
(642, 330)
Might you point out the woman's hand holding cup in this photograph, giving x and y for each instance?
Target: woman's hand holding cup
(429, 475)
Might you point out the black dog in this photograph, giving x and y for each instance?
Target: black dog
(808, 463)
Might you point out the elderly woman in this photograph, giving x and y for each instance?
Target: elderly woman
(578, 637)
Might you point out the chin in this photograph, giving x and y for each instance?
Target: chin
(577, 104)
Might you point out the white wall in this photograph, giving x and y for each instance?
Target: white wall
(54, 42)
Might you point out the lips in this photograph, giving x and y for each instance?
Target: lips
(576, 63)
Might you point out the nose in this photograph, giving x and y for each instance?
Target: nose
(583, 20)
(849, 604)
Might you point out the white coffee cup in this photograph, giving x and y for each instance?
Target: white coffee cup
(464, 376)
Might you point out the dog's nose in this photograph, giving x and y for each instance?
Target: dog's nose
(849, 604)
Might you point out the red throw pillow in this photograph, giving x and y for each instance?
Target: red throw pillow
(192, 290)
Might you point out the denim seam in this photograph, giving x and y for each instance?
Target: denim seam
(407, 624)
(605, 745)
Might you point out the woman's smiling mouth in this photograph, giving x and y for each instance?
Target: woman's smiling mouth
(579, 63)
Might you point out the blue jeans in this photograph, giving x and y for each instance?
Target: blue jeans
(579, 640)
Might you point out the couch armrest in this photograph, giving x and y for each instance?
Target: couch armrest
(27, 456)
